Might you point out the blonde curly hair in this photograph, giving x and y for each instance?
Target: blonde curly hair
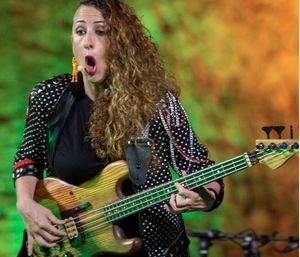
(135, 83)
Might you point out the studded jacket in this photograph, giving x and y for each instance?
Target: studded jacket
(175, 144)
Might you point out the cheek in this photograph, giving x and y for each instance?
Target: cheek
(103, 53)
(104, 45)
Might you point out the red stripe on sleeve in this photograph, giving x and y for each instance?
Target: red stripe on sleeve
(23, 162)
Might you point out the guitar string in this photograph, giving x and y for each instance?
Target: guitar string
(196, 183)
(120, 214)
(101, 225)
(174, 190)
(158, 194)
(99, 221)
(204, 172)
(116, 214)
(91, 229)
(145, 194)
(121, 206)
(108, 223)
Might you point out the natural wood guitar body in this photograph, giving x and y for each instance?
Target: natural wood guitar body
(94, 238)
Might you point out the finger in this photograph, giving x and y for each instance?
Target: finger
(48, 237)
(45, 226)
(188, 193)
(181, 202)
(54, 229)
(181, 189)
(54, 220)
(184, 173)
(173, 205)
(29, 244)
(171, 210)
(43, 242)
(167, 207)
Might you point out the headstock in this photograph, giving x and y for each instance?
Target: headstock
(275, 152)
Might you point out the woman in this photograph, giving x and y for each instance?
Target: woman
(119, 103)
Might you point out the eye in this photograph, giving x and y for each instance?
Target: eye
(80, 32)
(100, 32)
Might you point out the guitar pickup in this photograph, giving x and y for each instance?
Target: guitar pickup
(71, 228)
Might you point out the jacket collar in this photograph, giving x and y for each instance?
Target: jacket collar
(57, 120)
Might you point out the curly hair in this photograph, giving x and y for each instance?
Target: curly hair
(135, 83)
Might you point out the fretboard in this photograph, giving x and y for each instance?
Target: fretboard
(140, 201)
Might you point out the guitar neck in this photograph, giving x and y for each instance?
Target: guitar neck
(140, 201)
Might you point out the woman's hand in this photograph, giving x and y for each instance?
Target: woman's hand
(40, 224)
(201, 199)
(187, 200)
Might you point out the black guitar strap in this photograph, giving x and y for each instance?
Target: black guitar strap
(138, 156)
(138, 153)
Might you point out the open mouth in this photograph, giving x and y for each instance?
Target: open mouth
(90, 62)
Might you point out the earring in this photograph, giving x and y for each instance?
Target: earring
(75, 70)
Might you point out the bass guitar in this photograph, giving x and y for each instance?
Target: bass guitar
(91, 209)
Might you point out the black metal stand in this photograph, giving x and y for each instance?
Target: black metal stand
(250, 246)
(203, 247)
(249, 241)
(205, 240)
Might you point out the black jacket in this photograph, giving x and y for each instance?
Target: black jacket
(174, 144)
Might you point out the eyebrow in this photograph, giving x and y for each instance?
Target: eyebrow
(83, 21)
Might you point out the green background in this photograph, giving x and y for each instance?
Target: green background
(237, 64)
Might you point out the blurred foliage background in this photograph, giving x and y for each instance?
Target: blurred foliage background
(237, 64)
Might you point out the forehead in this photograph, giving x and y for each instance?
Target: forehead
(88, 13)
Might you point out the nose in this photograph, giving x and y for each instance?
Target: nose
(88, 42)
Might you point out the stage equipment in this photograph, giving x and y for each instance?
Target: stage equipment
(248, 240)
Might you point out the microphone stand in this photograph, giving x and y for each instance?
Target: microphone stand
(250, 246)
(205, 237)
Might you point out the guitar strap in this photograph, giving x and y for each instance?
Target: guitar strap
(138, 156)
(138, 153)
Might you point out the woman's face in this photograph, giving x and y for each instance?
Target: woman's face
(90, 43)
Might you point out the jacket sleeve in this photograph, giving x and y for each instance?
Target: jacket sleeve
(186, 152)
(28, 160)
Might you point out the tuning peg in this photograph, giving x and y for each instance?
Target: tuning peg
(295, 146)
(272, 146)
(260, 146)
(279, 130)
(283, 145)
(267, 130)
